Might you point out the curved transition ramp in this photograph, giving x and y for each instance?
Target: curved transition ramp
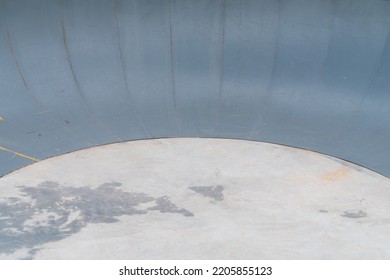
(312, 74)
(194, 199)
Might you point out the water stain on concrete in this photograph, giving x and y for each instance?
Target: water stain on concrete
(215, 192)
(354, 215)
(165, 206)
(51, 212)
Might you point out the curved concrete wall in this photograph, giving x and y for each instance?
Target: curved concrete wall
(313, 74)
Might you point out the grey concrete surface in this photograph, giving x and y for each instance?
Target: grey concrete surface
(306, 73)
(194, 199)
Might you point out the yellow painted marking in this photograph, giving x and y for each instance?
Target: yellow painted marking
(18, 154)
(1, 118)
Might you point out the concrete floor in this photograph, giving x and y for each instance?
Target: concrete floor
(194, 199)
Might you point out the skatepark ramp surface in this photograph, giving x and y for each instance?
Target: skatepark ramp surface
(312, 74)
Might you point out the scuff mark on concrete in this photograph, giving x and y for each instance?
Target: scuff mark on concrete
(354, 215)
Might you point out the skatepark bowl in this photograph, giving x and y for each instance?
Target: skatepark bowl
(207, 129)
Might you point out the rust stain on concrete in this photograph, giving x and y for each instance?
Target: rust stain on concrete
(338, 174)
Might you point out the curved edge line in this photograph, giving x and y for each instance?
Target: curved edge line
(173, 68)
(34, 98)
(123, 68)
(15, 59)
(228, 138)
(222, 64)
(261, 113)
(80, 92)
(65, 42)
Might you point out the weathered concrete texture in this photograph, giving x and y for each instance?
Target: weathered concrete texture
(312, 74)
(57, 212)
(215, 192)
(194, 199)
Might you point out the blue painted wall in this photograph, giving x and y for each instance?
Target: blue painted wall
(313, 74)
